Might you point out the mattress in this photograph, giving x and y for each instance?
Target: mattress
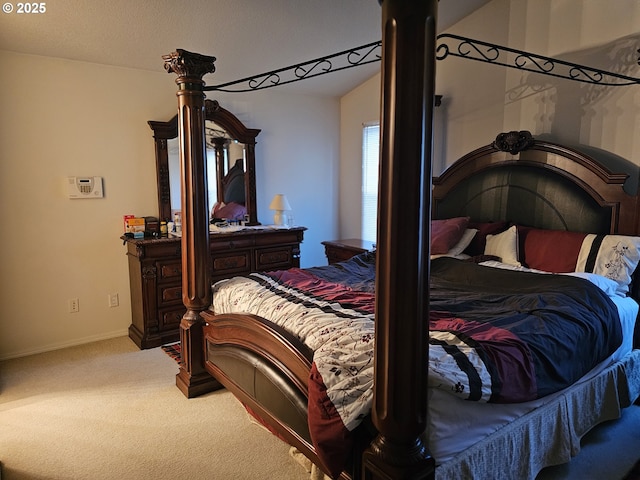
(550, 433)
(454, 425)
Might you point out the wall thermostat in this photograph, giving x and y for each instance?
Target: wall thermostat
(85, 187)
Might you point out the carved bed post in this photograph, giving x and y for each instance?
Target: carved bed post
(401, 349)
(192, 378)
(218, 146)
(249, 185)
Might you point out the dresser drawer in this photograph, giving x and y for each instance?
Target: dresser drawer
(279, 237)
(226, 244)
(337, 254)
(273, 258)
(231, 263)
(170, 270)
(164, 248)
(170, 319)
(170, 295)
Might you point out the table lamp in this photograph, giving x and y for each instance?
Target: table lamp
(279, 205)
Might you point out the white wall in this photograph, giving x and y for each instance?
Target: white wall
(483, 99)
(358, 107)
(296, 154)
(479, 101)
(62, 118)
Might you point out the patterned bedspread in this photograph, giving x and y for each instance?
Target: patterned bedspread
(495, 335)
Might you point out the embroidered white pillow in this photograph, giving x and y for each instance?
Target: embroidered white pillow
(612, 256)
(504, 245)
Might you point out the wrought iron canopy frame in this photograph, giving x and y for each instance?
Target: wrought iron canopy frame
(449, 45)
(353, 57)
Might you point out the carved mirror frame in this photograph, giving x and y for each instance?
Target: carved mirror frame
(163, 131)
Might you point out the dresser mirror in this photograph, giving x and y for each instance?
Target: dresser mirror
(231, 165)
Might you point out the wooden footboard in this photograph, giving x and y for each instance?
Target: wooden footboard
(267, 369)
(264, 338)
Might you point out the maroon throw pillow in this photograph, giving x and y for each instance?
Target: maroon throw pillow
(446, 233)
(476, 247)
(230, 211)
(550, 250)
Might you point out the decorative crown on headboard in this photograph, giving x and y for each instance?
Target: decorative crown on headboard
(513, 142)
(211, 106)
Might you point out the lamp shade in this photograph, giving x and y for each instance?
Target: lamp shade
(280, 203)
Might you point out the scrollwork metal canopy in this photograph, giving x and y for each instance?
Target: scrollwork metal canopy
(449, 45)
(463, 47)
(353, 57)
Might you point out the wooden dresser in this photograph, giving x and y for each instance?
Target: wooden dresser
(340, 250)
(155, 274)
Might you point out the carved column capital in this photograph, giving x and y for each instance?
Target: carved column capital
(188, 64)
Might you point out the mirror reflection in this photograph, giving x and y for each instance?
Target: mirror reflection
(226, 166)
(230, 152)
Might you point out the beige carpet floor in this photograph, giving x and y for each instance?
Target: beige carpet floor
(107, 410)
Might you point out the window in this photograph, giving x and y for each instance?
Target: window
(370, 155)
(370, 161)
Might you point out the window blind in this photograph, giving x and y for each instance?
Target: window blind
(370, 156)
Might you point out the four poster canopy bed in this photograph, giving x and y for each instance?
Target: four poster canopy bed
(510, 348)
(481, 339)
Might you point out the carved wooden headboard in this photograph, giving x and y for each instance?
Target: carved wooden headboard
(535, 183)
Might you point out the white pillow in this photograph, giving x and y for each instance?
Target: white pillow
(458, 248)
(463, 243)
(615, 257)
(504, 245)
(607, 285)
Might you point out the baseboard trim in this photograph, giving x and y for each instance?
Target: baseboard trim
(61, 345)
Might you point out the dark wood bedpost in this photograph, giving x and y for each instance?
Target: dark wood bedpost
(401, 350)
(218, 146)
(192, 378)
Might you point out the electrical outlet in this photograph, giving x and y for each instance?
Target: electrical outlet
(113, 299)
(74, 305)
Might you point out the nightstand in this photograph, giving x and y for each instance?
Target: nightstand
(340, 250)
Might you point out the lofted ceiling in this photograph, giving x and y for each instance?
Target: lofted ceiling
(246, 36)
